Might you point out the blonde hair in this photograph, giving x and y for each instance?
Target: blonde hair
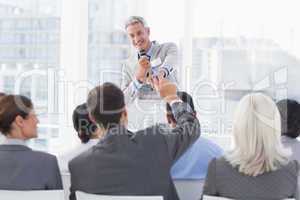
(256, 131)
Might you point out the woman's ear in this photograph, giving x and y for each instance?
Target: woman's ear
(125, 113)
(19, 121)
(124, 117)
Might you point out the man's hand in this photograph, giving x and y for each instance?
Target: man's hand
(144, 66)
(161, 75)
(166, 89)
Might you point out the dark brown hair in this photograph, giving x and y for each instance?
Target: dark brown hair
(12, 106)
(82, 123)
(290, 117)
(186, 98)
(106, 104)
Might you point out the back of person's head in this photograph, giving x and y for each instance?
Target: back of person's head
(106, 105)
(135, 19)
(185, 97)
(256, 133)
(290, 117)
(84, 127)
(11, 107)
(1, 95)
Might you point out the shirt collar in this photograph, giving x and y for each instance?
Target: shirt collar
(115, 131)
(150, 50)
(94, 141)
(288, 140)
(13, 141)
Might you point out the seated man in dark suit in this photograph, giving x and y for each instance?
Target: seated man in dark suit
(127, 163)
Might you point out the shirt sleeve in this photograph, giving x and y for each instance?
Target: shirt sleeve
(170, 63)
(131, 91)
(129, 85)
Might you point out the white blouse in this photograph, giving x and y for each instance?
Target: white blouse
(64, 159)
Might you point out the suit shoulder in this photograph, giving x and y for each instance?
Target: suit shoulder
(293, 167)
(153, 133)
(44, 155)
(169, 45)
(222, 160)
(80, 158)
(38, 158)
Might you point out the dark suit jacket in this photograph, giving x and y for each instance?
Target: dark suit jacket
(126, 163)
(224, 180)
(24, 169)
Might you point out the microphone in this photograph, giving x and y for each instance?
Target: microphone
(142, 54)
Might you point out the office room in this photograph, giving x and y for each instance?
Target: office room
(149, 99)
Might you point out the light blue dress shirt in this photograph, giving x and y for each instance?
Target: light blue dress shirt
(194, 162)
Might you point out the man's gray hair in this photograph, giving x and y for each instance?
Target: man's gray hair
(135, 19)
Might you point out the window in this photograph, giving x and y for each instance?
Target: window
(257, 40)
(26, 54)
(108, 46)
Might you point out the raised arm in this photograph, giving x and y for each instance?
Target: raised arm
(188, 127)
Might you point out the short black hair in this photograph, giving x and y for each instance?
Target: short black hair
(12, 106)
(82, 123)
(290, 117)
(185, 97)
(106, 104)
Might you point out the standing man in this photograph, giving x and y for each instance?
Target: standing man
(152, 59)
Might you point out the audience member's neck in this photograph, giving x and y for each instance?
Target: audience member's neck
(16, 134)
(99, 133)
(287, 136)
(124, 120)
(118, 126)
